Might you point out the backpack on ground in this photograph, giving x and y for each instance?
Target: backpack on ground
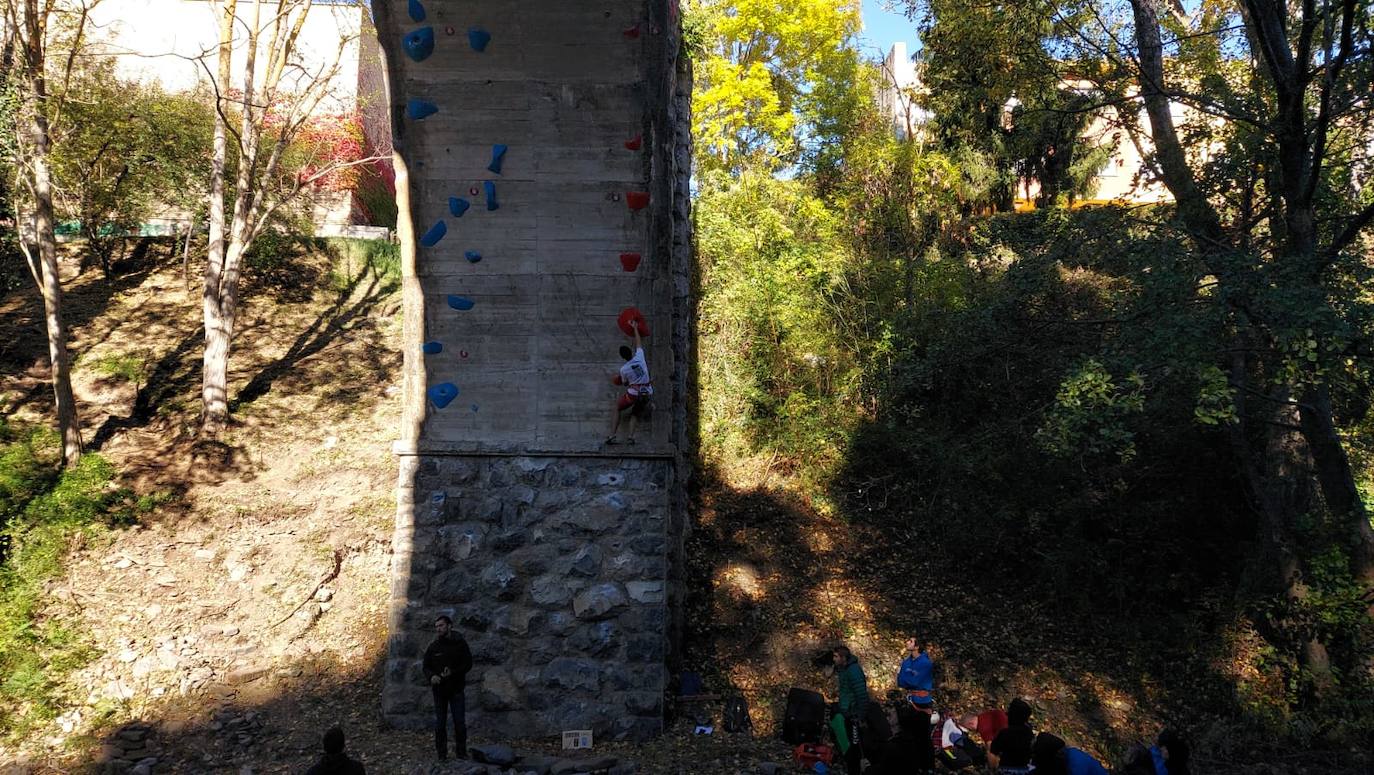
(735, 717)
(804, 720)
(807, 754)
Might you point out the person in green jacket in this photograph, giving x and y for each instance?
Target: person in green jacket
(853, 688)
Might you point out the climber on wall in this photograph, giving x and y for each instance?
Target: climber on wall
(639, 390)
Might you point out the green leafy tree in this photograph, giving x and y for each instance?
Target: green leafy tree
(779, 351)
(766, 73)
(128, 151)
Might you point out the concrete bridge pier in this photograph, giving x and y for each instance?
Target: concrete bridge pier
(556, 556)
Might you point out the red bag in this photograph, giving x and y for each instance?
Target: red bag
(808, 754)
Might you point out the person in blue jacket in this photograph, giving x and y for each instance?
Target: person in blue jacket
(916, 676)
(1051, 756)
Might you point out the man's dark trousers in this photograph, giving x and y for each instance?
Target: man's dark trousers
(446, 703)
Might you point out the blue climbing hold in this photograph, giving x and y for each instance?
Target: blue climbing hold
(418, 109)
(490, 188)
(498, 155)
(460, 303)
(458, 206)
(474, 407)
(433, 348)
(436, 232)
(472, 256)
(478, 38)
(417, 11)
(419, 44)
(443, 394)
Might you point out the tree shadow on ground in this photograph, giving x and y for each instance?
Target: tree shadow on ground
(85, 299)
(765, 573)
(355, 301)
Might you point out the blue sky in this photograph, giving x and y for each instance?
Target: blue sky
(883, 28)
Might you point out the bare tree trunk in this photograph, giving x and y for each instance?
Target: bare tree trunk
(36, 150)
(215, 363)
(64, 400)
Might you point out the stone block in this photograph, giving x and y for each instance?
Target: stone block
(560, 623)
(533, 560)
(508, 540)
(550, 501)
(476, 620)
(521, 494)
(526, 676)
(587, 561)
(489, 649)
(599, 601)
(493, 753)
(500, 581)
(499, 474)
(499, 692)
(456, 470)
(540, 765)
(513, 621)
(626, 566)
(572, 675)
(454, 586)
(596, 640)
(645, 591)
(567, 475)
(531, 469)
(551, 591)
(650, 545)
(458, 542)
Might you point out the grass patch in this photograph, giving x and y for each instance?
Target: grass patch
(130, 367)
(43, 511)
(356, 257)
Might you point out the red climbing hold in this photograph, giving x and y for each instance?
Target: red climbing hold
(637, 200)
(629, 261)
(632, 32)
(628, 314)
(634, 143)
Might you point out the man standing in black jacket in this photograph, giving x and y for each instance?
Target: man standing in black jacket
(447, 661)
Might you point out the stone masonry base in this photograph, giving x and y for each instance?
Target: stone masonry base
(554, 569)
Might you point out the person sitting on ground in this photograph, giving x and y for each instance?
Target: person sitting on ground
(1010, 751)
(639, 389)
(909, 750)
(916, 676)
(986, 724)
(335, 761)
(957, 749)
(1052, 756)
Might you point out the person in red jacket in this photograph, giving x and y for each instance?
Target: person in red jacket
(447, 662)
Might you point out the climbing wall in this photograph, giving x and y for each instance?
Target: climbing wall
(542, 159)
